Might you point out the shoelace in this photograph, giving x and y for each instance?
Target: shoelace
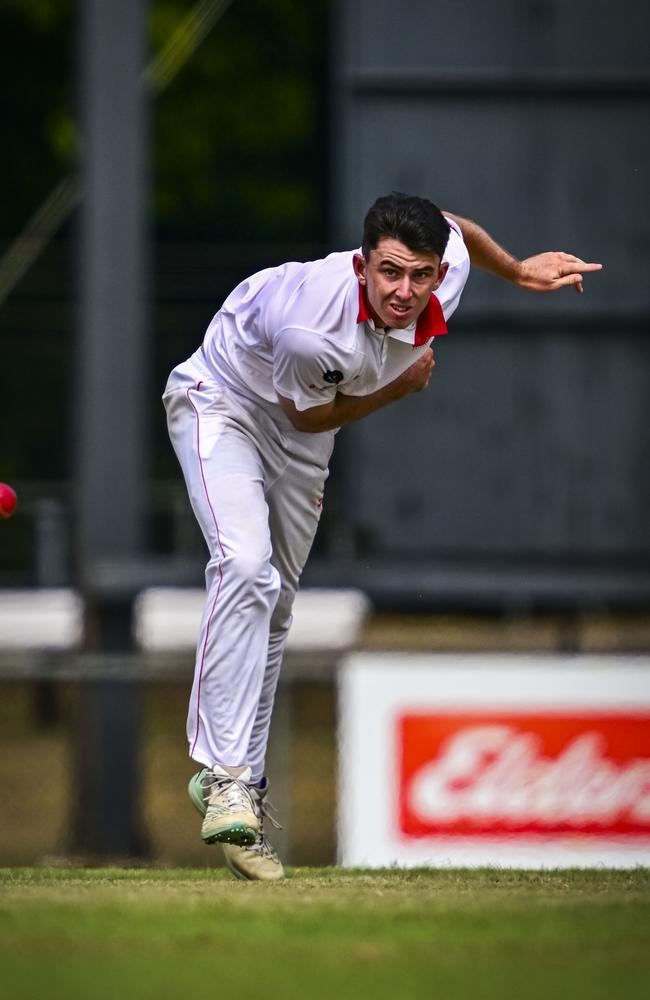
(264, 810)
(235, 793)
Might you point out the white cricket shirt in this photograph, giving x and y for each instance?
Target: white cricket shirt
(303, 330)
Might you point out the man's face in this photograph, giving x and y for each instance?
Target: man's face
(398, 281)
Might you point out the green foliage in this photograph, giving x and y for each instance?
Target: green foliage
(44, 16)
(236, 138)
(36, 66)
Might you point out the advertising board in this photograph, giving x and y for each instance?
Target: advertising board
(508, 760)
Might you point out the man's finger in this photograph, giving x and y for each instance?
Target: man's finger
(583, 265)
(577, 264)
(568, 279)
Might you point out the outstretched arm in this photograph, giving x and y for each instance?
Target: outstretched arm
(545, 272)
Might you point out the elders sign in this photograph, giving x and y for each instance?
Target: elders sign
(508, 760)
(512, 773)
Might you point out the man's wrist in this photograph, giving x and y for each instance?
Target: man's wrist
(515, 271)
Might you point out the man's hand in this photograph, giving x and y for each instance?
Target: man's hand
(416, 378)
(548, 271)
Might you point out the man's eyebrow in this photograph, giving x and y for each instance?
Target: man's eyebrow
(392, 263)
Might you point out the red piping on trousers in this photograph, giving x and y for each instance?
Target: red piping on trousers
(216, 598)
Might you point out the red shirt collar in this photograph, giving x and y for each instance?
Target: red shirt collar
(430, 323)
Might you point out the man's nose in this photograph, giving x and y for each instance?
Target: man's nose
(404, 288)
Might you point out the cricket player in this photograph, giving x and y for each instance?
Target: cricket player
(294, 353)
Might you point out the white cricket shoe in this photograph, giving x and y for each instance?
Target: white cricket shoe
(256, 861)
(259, 861)
(224, 799)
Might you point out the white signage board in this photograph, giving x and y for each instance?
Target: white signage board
(521, 761)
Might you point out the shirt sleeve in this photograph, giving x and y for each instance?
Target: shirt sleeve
(453, 283)
(306, 368)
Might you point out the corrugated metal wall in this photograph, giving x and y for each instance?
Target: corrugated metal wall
(523, 473)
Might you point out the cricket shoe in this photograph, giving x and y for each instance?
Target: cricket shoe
(225, 802)
(257, 862)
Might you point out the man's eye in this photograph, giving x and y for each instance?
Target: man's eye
(389, 272)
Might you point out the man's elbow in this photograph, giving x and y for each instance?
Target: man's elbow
(298, 422)
(311, 421)
(307, 422)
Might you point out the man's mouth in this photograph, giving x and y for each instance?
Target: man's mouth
(400, 313)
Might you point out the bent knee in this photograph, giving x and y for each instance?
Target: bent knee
(249, 570)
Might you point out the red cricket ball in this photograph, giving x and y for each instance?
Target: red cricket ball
(8, 500)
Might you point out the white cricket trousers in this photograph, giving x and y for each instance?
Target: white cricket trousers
(256, 487)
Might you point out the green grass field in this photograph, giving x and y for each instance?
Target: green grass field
(175, 933)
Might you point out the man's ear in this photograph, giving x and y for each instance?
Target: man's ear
(359, 265)
(444, 267)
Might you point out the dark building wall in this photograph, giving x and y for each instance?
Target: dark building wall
(531, 445)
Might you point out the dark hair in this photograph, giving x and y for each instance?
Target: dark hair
(415, 222)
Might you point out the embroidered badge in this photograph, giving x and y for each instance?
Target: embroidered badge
(333, 377)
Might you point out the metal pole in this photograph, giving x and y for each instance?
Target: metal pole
(111, 397)
(50, 535)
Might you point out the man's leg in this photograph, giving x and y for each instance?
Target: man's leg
(225, 480)
(295, 503)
